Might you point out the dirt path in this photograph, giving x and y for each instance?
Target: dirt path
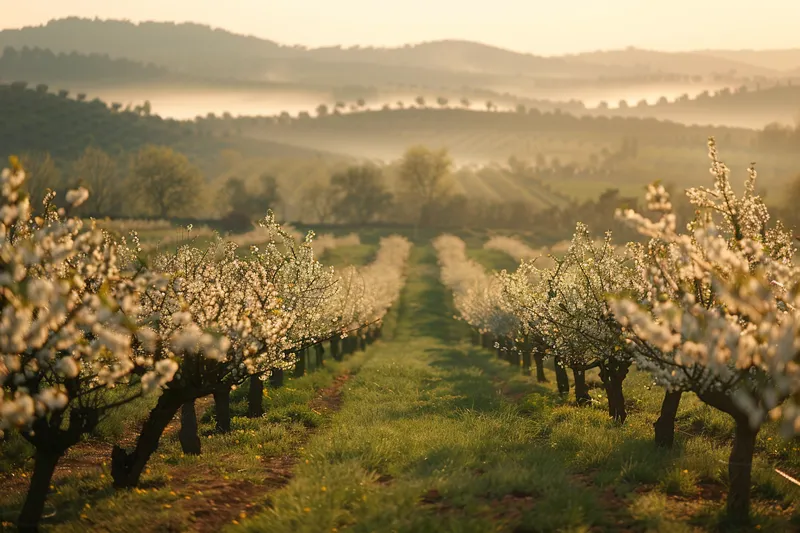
(226, 499)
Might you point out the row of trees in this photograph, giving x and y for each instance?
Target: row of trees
(156, 180)
(360, 194)
(420, 102)
(95, 327)
(43, 64)
(741, 97)
(712, 310)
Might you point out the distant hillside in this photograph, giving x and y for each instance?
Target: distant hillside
(182, 47)
(472, 135)
(467, 57)
(63, 126)
(587, 154)
(42, 65)
(202, 50)
(781, 60)
(689, 63)
(741, 107)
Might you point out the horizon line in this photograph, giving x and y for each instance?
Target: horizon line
(408, 44)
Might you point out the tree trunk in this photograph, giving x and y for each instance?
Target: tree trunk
(222, 407)
(538, 359)
(513, 357)
(188, 437)
(300, 364)
(485, 341)
(613, 373)
(665, 425)
(362, 343)
(740, 469)
(336, 348)
(581, 389)
(127, 468)
(255, 394)
(44, 465)
(562, 380)
(276, 378)
(319, 352)
(740, 463)
(475, 337)
(526, 361)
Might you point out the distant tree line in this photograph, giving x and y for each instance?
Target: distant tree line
(43, 64)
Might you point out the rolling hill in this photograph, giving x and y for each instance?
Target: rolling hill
(688, 63)
(740, 108)
(198, 49)
(43, 121)
(202, 50)
(472, 136)
(780, 60)
(587, 154)
(42, 65)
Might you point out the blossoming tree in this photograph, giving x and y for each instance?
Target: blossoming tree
(718, 312)
(66, 332)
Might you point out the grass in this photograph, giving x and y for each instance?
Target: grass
(342, 256)
(178, 490)
(493, 259)
(435, 435)
(432, 435)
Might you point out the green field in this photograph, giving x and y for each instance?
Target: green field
(423, 432)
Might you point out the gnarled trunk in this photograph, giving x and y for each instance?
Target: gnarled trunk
(51, 441)
(665, 425)
(526, 361)
(740, 462)
(538, 359)
(486, 340)
(347, 345)
(581, 389)
(613, 373)
(255, 394)
(319, 352)
(45, 461)
(740, 469)
(222, 408)
(300, 364)
(562, 380)
(188, 437)
(336, 348)
(475, 337)
(276, 378)
(127, 468)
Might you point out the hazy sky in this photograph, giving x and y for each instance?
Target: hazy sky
(537, 26)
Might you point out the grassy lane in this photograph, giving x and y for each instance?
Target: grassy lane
(192, 493)
(427, 441)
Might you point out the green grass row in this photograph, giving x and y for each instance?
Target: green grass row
(436, 435)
